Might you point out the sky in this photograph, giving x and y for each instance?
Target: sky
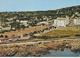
(35, 5)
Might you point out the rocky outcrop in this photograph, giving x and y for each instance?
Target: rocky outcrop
(40, 48)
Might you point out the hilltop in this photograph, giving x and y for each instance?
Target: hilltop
(58, 12)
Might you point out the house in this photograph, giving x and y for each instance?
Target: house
(10, 19)
(60, 22)
(24, 22)
(6, 28)
(43, 23)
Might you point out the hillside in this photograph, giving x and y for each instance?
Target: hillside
(58, 12)
(33, 17)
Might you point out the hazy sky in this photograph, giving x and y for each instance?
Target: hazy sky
(29, 5)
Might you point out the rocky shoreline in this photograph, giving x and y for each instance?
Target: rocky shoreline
(40, 48)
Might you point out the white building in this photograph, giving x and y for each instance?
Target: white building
(43, 23)
(77, 21)
(60, 22)
(6, 28)
(24, 22)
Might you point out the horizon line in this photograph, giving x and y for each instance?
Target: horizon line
(38, 10)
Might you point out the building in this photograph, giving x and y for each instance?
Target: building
(43, 23)
(77, 21)
(24, 22)
(60, 22)
(7, 28)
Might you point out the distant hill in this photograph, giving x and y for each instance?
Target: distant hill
(54, 13)
(60, 12)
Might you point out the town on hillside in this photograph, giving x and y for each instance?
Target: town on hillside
(33, 33)
(23, 24)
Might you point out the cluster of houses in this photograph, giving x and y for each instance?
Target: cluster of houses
(40, 27)
(64, 22)
(44, 20)
(23, 21)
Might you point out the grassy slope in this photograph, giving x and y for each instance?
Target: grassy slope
(63, 32)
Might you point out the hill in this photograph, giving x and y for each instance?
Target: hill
(58, 12)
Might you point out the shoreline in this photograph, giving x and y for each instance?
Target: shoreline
(38, 48)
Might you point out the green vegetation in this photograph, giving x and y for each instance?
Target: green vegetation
(28, 15)
(61, 33)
